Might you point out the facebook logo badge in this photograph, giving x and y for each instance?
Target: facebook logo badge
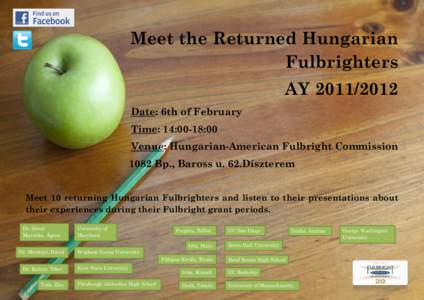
(22, 40)
(21, 17)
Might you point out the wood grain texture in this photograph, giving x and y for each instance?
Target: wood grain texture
(250, 78)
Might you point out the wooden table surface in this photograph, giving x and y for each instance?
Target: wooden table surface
(248, 78)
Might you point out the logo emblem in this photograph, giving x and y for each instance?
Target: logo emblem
(378, 272)
(43, 17)
(21, 17)
(22, 40)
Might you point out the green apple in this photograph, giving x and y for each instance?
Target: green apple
(74, 91)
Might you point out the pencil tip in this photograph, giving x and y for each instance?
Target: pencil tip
(167, 142)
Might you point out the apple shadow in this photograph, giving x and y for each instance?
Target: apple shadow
(96, 169)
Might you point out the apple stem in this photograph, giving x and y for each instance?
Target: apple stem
(59, 71)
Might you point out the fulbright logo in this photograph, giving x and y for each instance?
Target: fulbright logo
(43, 17)
(379, 272)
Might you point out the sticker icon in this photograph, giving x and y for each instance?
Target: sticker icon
(22, 40)
(379, 272)
(21, 17)
(43, 17)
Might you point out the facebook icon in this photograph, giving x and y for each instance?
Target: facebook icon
(22, 40)
(21, 17)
